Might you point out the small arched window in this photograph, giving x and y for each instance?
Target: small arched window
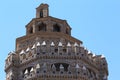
(67, 31)
(42, 27)
(28, 69)
(41, 14)
(56, 28)
(57, 66)
(31, 30)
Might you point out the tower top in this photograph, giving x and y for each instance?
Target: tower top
(42, 11)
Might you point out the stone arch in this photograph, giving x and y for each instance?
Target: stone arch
(42, 27)
(27, 68)
(41, 14)
(67, 30)
(31, 30)
(65, 64)
(56, 28)
(57, 66)
(68, 62)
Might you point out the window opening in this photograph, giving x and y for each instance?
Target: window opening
(64, 50)
(67, 31)
(41, 14)
(56, 28)
(56, 50)
(31, 30)
(57, 65)
(42, 27)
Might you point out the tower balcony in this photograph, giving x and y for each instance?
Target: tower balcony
(58, 70)
(32, 56)
(60, 75)
(54, 53)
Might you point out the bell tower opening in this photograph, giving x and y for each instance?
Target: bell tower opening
(31, 30)
(41, 14)
(42, 11)
(56, 28)
(42, 27)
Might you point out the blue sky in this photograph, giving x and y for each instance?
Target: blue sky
(95, 22)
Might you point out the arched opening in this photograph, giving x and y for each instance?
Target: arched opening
(41, 14)
(57, 66)
(67, 31)
(28, 68)
(42, 27)
(64, 50)
(31, 30)
(56, 28)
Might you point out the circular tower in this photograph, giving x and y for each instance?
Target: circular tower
(49, 52)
